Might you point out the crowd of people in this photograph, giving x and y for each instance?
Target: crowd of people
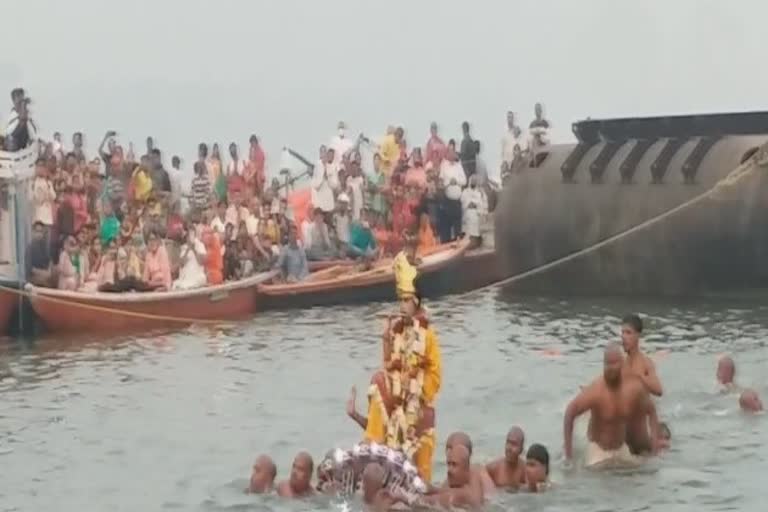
(624, 431)
(125, 222)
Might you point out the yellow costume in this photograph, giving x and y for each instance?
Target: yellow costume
(397, 404)
(389, 153)
(142, 184)
(405, 274)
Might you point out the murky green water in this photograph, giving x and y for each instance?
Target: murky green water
(172, 422)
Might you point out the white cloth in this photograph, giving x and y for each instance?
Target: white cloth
(356, 184)
(174, 176)
(342, 223)
(508, 143)
(192, 273)
(306, 232)
(219, 227)
(597, 458)
(340, 147)
(252, 224)
(452, 171)
(44, 196)
(324, 181)
(472, 217)
(238, 167)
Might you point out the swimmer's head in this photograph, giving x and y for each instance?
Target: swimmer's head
(301, 472)
(631, 328)
(262, 475)
(749, 401)
(514, 445)
(457, 460)
(456, 439)
(536, 467)
(726, 370)
(613, 359)
(373, 481)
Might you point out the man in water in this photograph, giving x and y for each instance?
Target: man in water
(460, 492)
(299, 485)
(749, 401)
(614, 402)
(263, 475)
(726, 371)
(639, 365)
(537, 468)
(375, 495)
(509, 471)
(480, 476)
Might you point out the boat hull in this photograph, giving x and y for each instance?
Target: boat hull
(8, 304)
(82, 312)
(464, 272)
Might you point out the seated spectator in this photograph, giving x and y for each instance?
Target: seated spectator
(474, 210)
(292, 262)
(231, 260)
(110, 226)
(214, 259)
(70, 270)
(91, 283)
(341, 222)
(157, 267)
(219, 222)
(192, 256)
(319, 246)
(38, 260)
(362, 242)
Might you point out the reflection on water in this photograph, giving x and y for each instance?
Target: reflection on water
(172, 421)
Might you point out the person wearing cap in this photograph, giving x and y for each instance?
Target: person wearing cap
(341, 221)
(341, 144)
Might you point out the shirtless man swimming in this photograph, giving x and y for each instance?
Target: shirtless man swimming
(262, 475)
(509, 471)
(639, 365)
(750, 402)
(480, 476)
(375, 496)
(460, 492)
(726, 371)
(299, 485)
(613, 401)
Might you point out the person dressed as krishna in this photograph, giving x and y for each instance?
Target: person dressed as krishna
(402, 394)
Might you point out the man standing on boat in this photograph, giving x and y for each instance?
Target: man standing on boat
(21, 130)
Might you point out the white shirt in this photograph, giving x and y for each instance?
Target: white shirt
(340, 146)
(252, 224)
(452, 171)
(192, 273)
(508, 143)
(238, 167)
(44, 196)
(356, 183)
(471, 217)
(219, 227)
(323, 179)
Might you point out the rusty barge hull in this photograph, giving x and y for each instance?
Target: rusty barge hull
(623, 172)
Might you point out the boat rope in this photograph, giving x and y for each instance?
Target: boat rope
(758, 160)
(111, 310)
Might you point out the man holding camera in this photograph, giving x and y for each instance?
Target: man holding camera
(21, 131)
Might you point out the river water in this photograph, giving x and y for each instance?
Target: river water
(172, 421)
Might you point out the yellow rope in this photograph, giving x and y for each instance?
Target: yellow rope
(115, 311)
(748, 167)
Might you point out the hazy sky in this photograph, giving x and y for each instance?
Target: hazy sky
(186, 71)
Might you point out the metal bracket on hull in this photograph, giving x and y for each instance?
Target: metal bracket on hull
(629, 165)
(597, 168)
(693, 162)
(568, 169)
(661, 164)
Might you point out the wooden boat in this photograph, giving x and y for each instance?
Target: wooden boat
(92, 312)
(8, 304)
(342, 284)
